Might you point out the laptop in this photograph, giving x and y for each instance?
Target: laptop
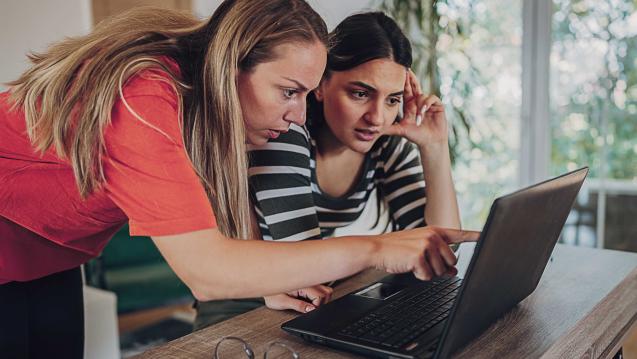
(403, 317)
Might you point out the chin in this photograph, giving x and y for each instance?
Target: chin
(361, 147)
(256, 140)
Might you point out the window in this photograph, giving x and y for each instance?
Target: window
(533, 89)
(479, 59)
(594, 116)
(469, 52)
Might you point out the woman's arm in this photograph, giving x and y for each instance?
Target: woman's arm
(442, 206)
(216, 267)
(425, 124)
(417, 185)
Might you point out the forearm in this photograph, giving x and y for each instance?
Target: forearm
(442, 205)
(215, 267)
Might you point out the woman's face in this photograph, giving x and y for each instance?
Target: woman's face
(359, 104)
(273, 94)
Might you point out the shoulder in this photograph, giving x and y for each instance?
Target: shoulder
(389, 146)
(147, 109)
(155, 83)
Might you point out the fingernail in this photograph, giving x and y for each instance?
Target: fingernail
(418, 120)
(309, 308)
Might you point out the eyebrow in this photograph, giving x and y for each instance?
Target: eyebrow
(372, 89)
(298, 84)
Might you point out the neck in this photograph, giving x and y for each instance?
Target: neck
(328, 145)
(338, 168)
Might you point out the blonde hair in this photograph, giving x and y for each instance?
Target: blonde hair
(68, 94)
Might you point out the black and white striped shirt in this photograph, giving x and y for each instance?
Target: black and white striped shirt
(291, 207)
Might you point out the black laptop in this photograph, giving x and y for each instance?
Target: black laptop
(402, 317)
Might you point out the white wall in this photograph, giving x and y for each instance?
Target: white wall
(31, 25)
(333, 11)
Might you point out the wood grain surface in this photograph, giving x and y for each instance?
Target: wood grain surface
(583, 307)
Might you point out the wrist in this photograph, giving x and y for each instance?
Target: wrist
(435, 157)
(434, 148)
(375, 251)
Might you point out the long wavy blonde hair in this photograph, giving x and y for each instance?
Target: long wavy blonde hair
(68, 93)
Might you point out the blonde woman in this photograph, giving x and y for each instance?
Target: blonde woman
(146, 120)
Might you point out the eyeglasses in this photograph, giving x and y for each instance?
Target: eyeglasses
(250, 353)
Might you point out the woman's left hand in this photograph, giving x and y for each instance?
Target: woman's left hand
(301, 300)
(424, 122)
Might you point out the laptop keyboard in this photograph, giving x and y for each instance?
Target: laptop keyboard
(406, 316)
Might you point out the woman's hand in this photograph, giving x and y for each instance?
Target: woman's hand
(424, 122)
(312, 297)
(423, 251)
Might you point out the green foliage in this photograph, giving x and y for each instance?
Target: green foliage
(468, 53)
(595, 104)
(420, 22)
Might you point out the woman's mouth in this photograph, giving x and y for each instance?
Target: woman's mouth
(272, 134)
(365, 134)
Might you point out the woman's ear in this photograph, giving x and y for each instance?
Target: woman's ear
(318, 94)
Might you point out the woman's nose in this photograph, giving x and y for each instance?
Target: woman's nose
(374, 115)
(296, 115)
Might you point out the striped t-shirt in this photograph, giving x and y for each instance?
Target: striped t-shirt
(290, 206)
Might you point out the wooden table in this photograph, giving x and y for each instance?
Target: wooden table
(584, 307)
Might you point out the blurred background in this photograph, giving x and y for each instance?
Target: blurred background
(533, 88)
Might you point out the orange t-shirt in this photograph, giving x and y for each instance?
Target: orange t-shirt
(45, 227)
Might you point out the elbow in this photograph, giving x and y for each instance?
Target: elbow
(202, 292)
(205, 292)
(202, 296)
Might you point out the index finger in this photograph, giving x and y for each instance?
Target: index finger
(415, 83)
(408, 91)
(313, 294)
(458, 235)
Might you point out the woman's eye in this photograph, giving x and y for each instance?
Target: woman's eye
(394, 101)
(359, 94)
(289, 93)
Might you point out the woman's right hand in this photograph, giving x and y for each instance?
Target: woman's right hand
(423, 251)
(424, 121)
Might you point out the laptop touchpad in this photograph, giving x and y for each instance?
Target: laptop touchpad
(380, 291)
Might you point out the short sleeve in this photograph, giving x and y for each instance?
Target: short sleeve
(148, 173)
